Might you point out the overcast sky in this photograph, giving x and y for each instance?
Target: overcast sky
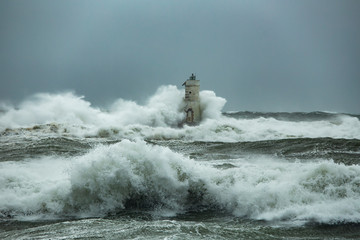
(270, 55)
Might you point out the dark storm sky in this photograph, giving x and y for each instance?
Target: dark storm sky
(270, 55)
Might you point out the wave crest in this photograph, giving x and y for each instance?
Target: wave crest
(129, 175)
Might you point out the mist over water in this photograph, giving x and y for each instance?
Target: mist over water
(62, 158)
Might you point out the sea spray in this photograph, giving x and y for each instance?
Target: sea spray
(135, 175)
(129, 174)
(45, 108)
(165, 108)
(34, 188)
(105, 180)
(211, 105)
(272, 189)
(70, 115)
(130, 171)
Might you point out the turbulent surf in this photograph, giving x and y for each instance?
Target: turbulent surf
(128, 171)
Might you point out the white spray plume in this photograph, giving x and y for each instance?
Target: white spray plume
(163, 109)
(211, 105)
(158, 118)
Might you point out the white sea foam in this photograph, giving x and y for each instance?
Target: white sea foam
(159, 117)
(109, 178)
(34, 187)
(269, 189)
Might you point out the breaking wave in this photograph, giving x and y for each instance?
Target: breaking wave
(136, 175)
(158, 119)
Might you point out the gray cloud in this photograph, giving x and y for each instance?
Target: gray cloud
(259, 55)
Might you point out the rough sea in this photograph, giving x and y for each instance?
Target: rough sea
(69, 170)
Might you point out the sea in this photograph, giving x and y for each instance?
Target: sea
(71, 170)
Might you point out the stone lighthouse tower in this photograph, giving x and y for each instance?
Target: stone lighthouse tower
(192, 100)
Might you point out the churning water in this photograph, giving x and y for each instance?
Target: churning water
(69, 170)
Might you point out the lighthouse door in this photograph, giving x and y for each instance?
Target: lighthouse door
(190, 115)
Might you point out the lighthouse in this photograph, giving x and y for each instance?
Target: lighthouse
(192, 101)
